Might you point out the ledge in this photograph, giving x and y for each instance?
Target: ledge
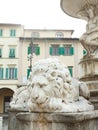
(58, 117)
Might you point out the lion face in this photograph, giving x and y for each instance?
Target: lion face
(40, 88)
(50, 81)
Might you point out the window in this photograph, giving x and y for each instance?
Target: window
(12, 32)
(65, 50)
(11, 73)
(59, 35)
(0, 52)
(12, 53)
(55, 50)
(1, 32)
(70, 70)
(35, 49)
(7, 100)
(1, 73)
(68, 50)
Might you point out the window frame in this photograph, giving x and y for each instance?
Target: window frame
(12, 53)
(55, 50)
(68, 50)
(11, 73)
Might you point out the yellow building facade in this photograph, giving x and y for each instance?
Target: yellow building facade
(15, 48)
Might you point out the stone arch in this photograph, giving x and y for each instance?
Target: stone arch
(13, 88)
(5, 98)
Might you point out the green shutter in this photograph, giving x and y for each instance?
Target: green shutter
(28, 50)
(10, 53)
(70, 70)
(37, 50)
(13, 52)
(62, 50)
(14, 32)
(71, 50)
(0, 52)
(50, 50)
(28, 73)
(15, 73)
(1, 32)
(59, 50)
(84, 52)
(1, 73)
(10, 32)
(7, 77)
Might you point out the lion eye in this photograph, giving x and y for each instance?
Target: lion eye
(32, 85)
(41, 86)
(53, 74)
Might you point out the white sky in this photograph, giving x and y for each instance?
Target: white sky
(39, 14)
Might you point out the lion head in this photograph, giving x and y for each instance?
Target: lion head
(50, 86)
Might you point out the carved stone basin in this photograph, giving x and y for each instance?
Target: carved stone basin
(87, 10)
(73, 7)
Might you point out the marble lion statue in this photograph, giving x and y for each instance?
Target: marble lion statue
(51, 89)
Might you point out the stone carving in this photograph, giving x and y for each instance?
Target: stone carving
(90, 39)
(50, 88)
(20, 99)
(86, 10)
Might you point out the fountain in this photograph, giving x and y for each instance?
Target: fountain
(52, 100)
(87, 10)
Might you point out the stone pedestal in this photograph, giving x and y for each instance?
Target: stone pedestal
(89, 74)
(56, 121)
(12, 120)
(89, 71)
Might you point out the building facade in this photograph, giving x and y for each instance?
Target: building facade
(15, 48)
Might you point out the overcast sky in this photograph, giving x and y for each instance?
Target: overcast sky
(39, 14)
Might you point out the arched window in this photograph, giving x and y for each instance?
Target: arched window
(59, 35)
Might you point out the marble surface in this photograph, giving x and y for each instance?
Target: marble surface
(50, 88)
(58, 121)
(53, 120)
